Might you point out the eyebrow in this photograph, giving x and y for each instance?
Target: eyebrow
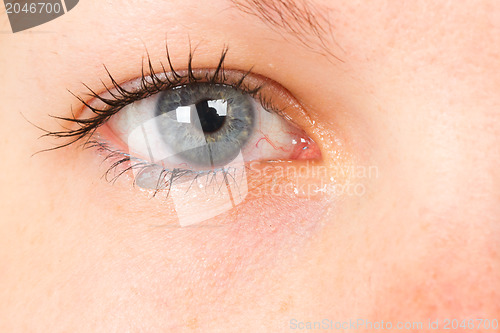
(305, 21)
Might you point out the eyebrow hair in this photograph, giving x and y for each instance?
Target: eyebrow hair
(307, 22)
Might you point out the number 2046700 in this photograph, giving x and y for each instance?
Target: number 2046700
(472, 324)
(33, 8)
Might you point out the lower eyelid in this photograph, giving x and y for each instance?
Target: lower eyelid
(305, 178)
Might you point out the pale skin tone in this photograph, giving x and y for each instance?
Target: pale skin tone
(416, 95)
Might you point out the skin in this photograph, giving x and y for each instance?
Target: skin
(416, 95)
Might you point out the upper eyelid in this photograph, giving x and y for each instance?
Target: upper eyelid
(168, 77)
(113, 99)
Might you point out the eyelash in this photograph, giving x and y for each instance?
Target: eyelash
(149, 84)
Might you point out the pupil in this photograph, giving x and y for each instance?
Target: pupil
(210, 120)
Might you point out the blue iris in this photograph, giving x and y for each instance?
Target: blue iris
(206, 125)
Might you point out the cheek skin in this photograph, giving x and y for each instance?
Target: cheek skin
(446, 268)
(176, 270)
(217, 263)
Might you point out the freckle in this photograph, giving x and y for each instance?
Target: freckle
(192, 323)
(285, 305)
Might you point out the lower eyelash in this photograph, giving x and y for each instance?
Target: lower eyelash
(166, 177)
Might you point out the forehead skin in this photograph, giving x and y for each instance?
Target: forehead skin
(412, 88)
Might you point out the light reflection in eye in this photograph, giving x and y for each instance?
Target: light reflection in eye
(205, 134)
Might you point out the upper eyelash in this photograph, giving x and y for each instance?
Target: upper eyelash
(150, 84)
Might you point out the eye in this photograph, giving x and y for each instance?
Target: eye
(197, 131)
(204, 127)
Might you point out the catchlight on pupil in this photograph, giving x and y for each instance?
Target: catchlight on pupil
(211, 114)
